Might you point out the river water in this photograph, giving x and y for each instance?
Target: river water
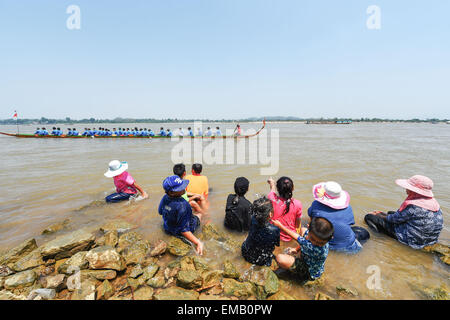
(44, 181)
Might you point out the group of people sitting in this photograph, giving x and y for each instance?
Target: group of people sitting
(141, 132)
(277, 217)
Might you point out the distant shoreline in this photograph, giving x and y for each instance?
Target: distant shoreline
(93, 121)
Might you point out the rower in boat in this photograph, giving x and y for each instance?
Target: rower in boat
(191, 134)
(208, 132)
(180, 132)
(162, 133)
(218, 133)
(54, 133)
(169, 133)
(44, 132)
(69, 132)
(199, 132)
(151, 133)
(74, 132)
(38, 132)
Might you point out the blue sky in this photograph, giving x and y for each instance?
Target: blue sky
(225, 59)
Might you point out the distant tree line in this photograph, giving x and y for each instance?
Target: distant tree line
(68, 120)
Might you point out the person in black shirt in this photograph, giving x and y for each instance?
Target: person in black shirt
(238, 208)
(263, 237)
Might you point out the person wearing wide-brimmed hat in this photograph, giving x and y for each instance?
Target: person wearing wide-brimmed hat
(418, 222)
(333, 203)
(126, 186)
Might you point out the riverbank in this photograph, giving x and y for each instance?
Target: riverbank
(114, 262)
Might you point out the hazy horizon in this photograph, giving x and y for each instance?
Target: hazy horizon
(224, 59)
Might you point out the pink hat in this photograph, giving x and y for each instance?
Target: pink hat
(418, 184)
(331, 194)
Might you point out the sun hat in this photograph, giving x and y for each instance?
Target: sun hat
(418, 184)
(331, 194)
(175, 183)
(115, 168)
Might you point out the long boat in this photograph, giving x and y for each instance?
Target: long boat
(23, 135)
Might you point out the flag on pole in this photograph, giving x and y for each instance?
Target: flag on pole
(15, 115)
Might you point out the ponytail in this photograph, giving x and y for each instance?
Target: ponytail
(285, 186)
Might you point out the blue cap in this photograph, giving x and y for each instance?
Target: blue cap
(175, 183)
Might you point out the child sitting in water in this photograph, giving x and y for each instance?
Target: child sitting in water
(286, 209)
(238, 208)
(126, 186)
(312, 250)
(177, 213)
(263, 237)
(197, 201)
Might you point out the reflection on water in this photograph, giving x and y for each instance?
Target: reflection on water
(44, 181)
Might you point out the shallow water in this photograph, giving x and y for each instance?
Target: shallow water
(44, 181)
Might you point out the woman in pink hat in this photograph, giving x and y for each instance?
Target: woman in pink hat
(333, 203)
(418, 222)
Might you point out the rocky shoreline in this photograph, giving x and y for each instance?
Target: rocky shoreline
(114, 262)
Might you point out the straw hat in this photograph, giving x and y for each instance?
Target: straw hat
(331, 194)
(115, 168)
(418, 184)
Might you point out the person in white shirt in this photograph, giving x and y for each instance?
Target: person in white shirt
(180, 132)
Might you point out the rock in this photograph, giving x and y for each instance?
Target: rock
(111, 238)
(442, 250)
(105, 290)
(211, 278)
(20, 280)
(149, 272)
(232, 245)
(232, 287)
(50, 262)
(6, 295)
(5, 271)
(315, 283)
(143, 293)
(436, 293)
(280, 295)
(265, 280)
(178, 247)
(136, 271)
(105, 258)
(120, 226)
(2, 282)
(136, 253)
(135, 283)
(18, 252)
(74, 281)
(211, 231)
(189, 279)
(54, 282)
(45, 294)
(68, 244)
(175, 293)
(98, 274)
(341, 290)
(43, 271)
(229, 270)
(205, 296)
(159, 249)
(85, 292)
(156, 282)
(29, 261)
(77, 262)
(216, 290)
(322, 296)
(128, 239)
(56, 227)
(200, 264)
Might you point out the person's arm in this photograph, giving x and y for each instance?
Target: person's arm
(290, 233)
(400, 216)
(272, 185)
(190, 236)
(144, 194)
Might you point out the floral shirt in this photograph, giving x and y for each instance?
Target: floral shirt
(416, 227)
(314, 256)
